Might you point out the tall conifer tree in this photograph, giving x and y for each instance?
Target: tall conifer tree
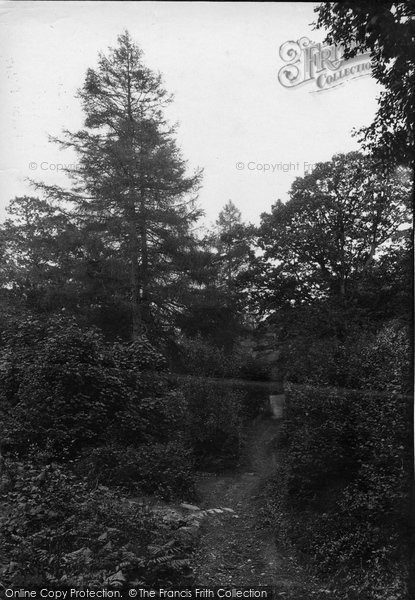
(131, 188)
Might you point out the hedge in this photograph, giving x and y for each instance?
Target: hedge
(342, 490)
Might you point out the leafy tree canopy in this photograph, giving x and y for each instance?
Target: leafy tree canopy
(387, 30)
(331, 234)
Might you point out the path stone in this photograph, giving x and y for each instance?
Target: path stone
(189, 506)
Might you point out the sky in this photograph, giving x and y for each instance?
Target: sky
(250, 134)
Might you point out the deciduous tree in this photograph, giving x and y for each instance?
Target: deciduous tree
(387, 30)
(328, 238)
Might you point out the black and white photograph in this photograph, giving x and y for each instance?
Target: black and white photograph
(206, 300)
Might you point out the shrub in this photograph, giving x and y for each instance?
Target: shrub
(242, 363)
(380, 361)
(215, 423)
(151, 419)
(66, 394)
(342, 490)
(218, 416)
(77, 393)
(56, 530)
(364, 360)
(200, 357)
(161, 469)
(67, 390)
(252, 368)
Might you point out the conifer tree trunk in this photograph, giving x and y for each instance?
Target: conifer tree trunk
(134, 278)
(144, 299)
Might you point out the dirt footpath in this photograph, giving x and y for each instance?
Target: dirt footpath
(234, 549)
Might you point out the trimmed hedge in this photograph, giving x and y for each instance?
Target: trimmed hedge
(342, 491)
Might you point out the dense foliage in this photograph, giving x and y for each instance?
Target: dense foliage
(385, 29)
(56, 529)
(342, 491)
(323, 243)
(105, 284)
(334, 269)
(364, 359)
(218, 418)
(198, 355)
(68, 394)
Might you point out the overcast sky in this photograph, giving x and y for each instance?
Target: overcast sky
(221, 61)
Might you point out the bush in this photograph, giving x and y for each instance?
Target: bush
(252, 368)
(380, 361)
(154, 419)
(76, 393)
(66, 390)
(200, 357)
(161, 469)
(218, 416)
(342, 491)
(56, 530)
(65, 394)
(364, 360)
(215, 423)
